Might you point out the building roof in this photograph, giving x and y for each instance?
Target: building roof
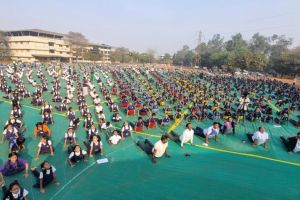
(101, 45)
(50, 33)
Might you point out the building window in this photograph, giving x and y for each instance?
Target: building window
(52, 51)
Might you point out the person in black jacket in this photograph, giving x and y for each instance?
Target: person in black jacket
(292, 143)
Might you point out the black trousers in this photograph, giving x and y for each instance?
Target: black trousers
(146, 146)
(46, 179)
(288, 143)
(199, 132)
(173, 136)
(249, 135)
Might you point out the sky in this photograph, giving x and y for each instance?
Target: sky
(162, 25)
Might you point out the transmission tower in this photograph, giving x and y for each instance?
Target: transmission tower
(198, 50)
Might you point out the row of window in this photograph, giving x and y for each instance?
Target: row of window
(50, 44)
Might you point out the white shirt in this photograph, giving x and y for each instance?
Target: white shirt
(160, 148)
(103, 126)
(25, 193)
(49, 143)
(211, 132)
(297, 148)
(77, 153)
(18, 111)
(70, 134)
(13, 121)
(13, 129)
(99, 143)
(260, 137)
(47, 172)
(128, 127)
(244, 103)
(98, 109)
(115, 139)
(187, 136)
(101, 116)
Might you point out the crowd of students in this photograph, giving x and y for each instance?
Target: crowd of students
(139, 92)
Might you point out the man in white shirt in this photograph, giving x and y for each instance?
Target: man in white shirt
(259, 137)
(297, 147)
(157, 150)
(292, 143)
(160, 148)
(187, 135)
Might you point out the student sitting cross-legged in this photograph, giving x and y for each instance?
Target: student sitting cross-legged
(45, 177)
(76, 155)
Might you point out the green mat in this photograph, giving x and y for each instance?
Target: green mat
(215, 172)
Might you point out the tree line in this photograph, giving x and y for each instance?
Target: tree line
(260, 53)
(265, 54)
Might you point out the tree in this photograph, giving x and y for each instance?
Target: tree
(93, 54)
(144, 58)
(151, 55)
(78, 43)
(4, 47)
(216, 43)
(135, 57)
(261, 53)
(260, 44)
(189, 58)
(219, 58)
(121, 55)
(288, 62)
(181, 57)
(167, 59)
(237, 43)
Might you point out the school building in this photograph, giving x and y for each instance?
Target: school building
(35, 45)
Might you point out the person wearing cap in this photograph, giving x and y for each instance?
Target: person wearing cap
(259, 137)
(292, 143)
(188, 135)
